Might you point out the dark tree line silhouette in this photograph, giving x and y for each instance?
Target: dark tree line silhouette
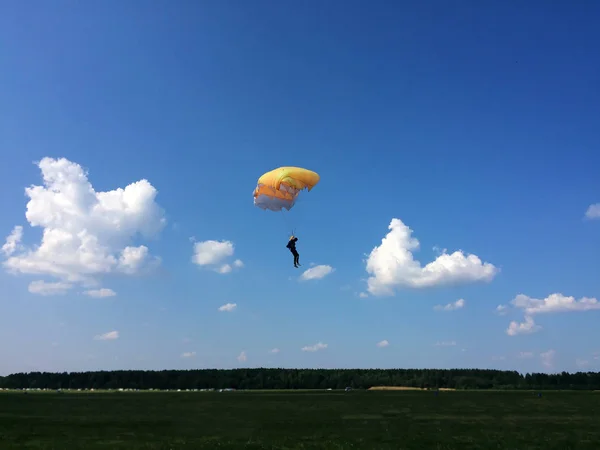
(301, 379)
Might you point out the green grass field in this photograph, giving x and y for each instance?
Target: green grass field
(285, 420)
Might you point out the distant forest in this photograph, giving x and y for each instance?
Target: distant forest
(301, 379)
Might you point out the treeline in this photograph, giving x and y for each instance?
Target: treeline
(301, 379)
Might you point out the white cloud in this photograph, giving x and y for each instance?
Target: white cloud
(548, 358)
(392, 265)
(317, 272)
(527, 327)
(133, 260)
(225, 268)
(86, 233)
(363, 295)
(41, 287)
(498, 358)
(593, 211)
(100, 293)
(242, 357)
(274, 350)
(213, 254)
(525, 355)
(13, 240)
(501, 310)
(314, 348)
(111, 335)
(228, 307)
(458, 304)
(445, 344)
(554, 303)
(383, 343)
(188, 354)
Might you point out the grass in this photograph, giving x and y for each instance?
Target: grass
(300, 420)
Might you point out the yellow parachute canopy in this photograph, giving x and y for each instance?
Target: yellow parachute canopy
(279, 188)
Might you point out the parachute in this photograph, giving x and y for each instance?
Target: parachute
(278, 189)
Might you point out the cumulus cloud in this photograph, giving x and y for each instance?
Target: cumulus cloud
(13, 240)
(44, 288)
(593, 211)
(213, 254)
(548, 358)
(110, 336)
(527, 327)
(314, 348)
(554, 303)
(228, 307)
(188, 354)
(383, 343)
(242, 357)
(317, 272)
(458, 304)
(85, 233)
(100, 293)
(392, 265)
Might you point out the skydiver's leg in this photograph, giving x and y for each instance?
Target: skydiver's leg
(297, 259)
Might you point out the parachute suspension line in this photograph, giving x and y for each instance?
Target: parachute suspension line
(287, 224)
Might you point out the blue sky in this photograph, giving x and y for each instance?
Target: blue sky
(476, 126)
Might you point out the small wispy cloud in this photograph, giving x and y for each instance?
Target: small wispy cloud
(501, 310)
(316, 272)
(274, 350)
(242, 357)
(100, 293)
(555, 303)
(445, 344)
(314, 348)
(228, 307)
(593, 211)
(582, 363)
(45, 288)
(188, 354)
(548, 358)
(110, 336)
(458, 304)
(383, 343)
(13, 240)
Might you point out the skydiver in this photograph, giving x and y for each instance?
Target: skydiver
(292, 246)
